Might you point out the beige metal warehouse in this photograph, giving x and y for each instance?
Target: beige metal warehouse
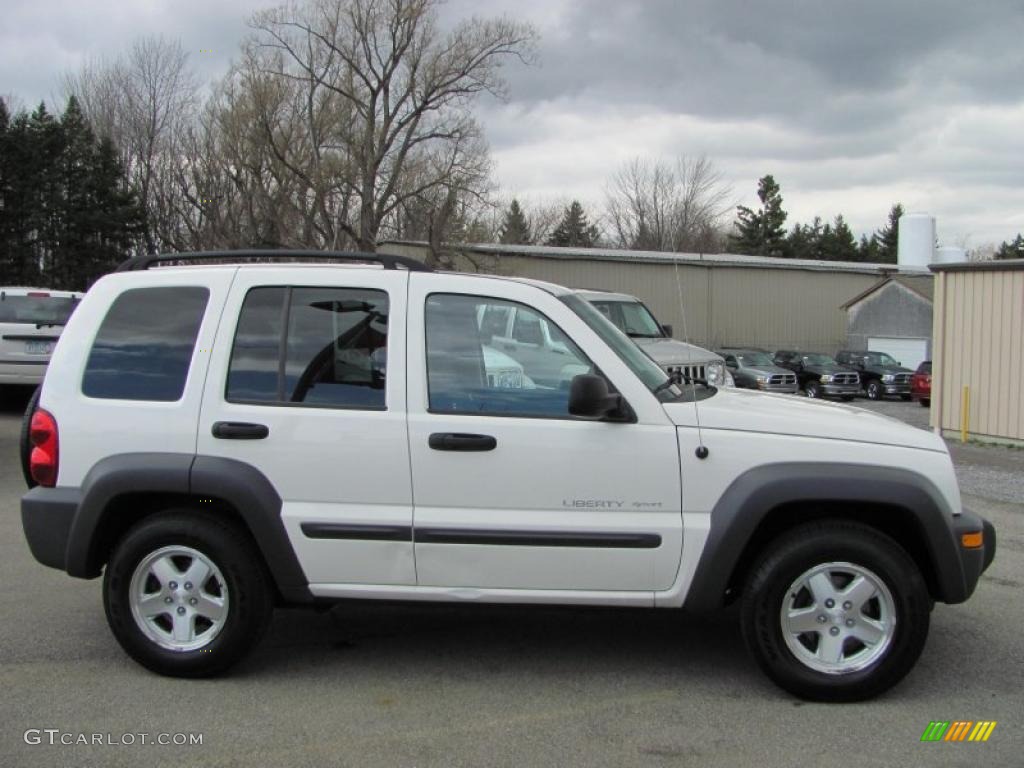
(978, 351)
(729, 299)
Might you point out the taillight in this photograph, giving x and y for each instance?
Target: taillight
(44, 458)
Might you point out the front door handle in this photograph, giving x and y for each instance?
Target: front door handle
(459, 441)
(238, 430)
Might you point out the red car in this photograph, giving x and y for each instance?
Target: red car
(921, 384)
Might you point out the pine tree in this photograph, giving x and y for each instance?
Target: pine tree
(515, 230)
(837, 242)
(762, 232)
(574, 230)
(869, 249)
(888, 236)
(1011, 250)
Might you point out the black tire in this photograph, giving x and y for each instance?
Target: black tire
(248, 593)
(841, 544)
(925, 402)
(813, 389)
(875, 391)
(24, 443)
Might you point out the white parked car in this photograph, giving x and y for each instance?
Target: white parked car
(31, 321)
(216, 439)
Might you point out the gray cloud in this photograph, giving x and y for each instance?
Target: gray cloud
(851, 105)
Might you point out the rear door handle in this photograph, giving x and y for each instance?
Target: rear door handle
(238, 430)
(459, 441)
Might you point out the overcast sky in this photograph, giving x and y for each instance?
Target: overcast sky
(852, 106)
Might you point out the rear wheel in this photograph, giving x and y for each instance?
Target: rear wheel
(186, 594)
(813, 389)
(835, 611)
(25, 442)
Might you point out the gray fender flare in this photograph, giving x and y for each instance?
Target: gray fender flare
(753, 496)
(241, 485)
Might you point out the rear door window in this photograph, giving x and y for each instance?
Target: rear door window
(311, 346)
(144, 346)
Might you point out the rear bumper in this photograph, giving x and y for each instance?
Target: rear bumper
(46, 517)
(23, 371)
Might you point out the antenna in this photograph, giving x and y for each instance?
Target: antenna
(702, 451)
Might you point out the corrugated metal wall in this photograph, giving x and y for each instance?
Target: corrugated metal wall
(979, 344)
(773, 308)
(724, 306)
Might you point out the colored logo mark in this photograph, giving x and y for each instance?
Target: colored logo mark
(958, 730)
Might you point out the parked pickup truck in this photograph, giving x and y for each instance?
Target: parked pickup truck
(217, 437)
(880, 374)
(679, 359)
(820, 375)
(754, 369)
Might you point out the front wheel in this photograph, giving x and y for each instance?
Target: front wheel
(925, 402)
(835, 611)
(186, 594)
(813, 389)
(875, 391)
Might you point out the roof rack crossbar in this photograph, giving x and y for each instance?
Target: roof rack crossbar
(386, 260)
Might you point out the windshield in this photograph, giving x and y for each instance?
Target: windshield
(755, 359)
(653, 377)
(39, 309)
(818, 360)
(880, 358)
(630, 317)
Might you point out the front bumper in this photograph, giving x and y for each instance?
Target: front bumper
(975, 561)
(46, 517)
(896, 389)
(785, 389)
(841, 390)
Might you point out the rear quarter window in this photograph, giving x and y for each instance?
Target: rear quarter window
(144, 345)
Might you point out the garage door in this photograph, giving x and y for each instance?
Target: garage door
(910, 352)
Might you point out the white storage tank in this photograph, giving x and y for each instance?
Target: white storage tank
(916, 243)
(950, 254)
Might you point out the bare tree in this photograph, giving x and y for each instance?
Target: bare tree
(144, 101)
(658, 206)
(404, 89)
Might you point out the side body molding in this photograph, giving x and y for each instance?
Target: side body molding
(753, 495)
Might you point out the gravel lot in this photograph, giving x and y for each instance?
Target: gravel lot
(398, 685)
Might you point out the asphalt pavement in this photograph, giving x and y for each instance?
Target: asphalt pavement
(469, 685)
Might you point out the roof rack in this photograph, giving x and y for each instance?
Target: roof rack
(388, 261)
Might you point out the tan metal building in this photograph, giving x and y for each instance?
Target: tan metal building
(729, 299)
(978, 351)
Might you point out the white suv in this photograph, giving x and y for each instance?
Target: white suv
(31, 321)
(221, 438)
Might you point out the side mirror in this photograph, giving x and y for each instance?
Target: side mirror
(589, 397)
(667, 330)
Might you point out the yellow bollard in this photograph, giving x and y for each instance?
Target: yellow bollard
(965, 414)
